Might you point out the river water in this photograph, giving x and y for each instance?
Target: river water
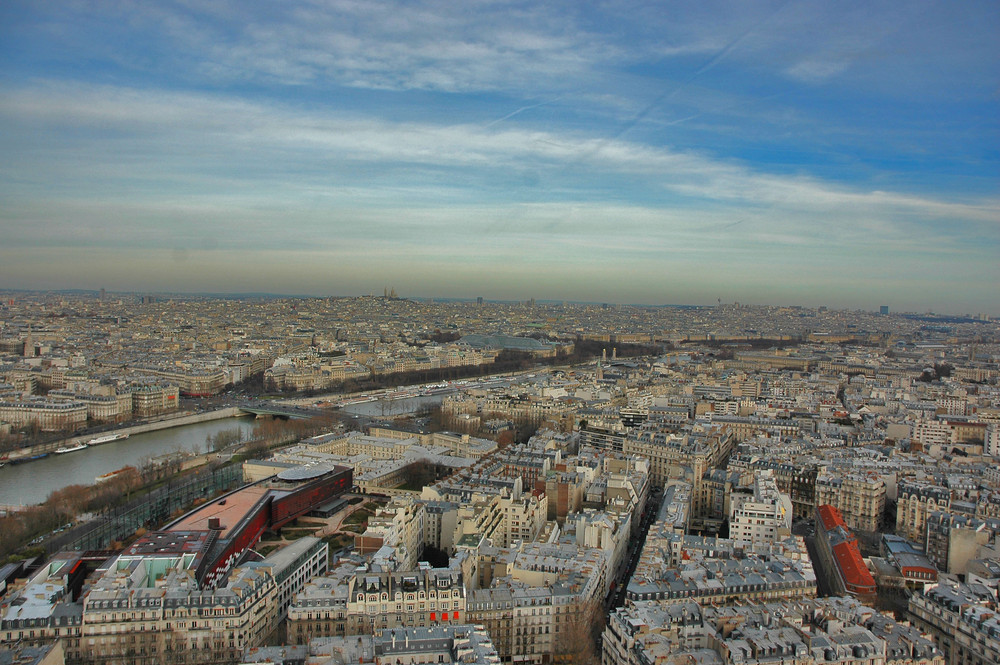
(32, 482)
(395, 407)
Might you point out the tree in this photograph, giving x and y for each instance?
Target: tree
(223, 439)
(577, 640)
(936, 373)
(419, 474)
(942, 370)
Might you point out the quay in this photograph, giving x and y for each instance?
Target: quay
(158, 423)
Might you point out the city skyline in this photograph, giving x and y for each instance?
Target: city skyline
(781, 153)
(390, 292)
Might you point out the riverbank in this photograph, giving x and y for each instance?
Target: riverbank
(158, 423)
(54, 492)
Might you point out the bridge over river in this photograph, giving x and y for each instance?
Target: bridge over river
(280, 410)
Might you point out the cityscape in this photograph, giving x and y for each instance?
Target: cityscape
(499, 332)
(411, 480)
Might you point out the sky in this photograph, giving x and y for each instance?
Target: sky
(844, 154)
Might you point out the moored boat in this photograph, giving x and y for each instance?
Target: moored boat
(112, 474)
(71, 449)
(107, 438)
(22, 460)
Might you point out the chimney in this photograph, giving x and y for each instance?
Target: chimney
(214, 524)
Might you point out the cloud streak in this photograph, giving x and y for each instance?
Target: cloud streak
(165, 126)
(695, 142)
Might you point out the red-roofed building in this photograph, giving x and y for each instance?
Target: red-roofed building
(221, 531)
(840, 557)
(829, 516)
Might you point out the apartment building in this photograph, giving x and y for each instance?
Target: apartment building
(962, 620)
(977, 640)
(667, 454)
(466, 644)
(365, 602)
(840, 557)
(804, 632)
(523, 518)
(674, 568)
(954, 539)
(859, 496)
(796, 480)
(400, 526)
(152, 400)
(761, 513)
(48, 415)
(149, 609)
(915, 502)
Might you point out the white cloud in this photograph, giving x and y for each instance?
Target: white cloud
(555, 134)
(198, 145)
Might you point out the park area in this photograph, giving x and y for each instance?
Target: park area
(337, 531)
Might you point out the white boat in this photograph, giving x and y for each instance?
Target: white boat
(71, 449)
(106, 438)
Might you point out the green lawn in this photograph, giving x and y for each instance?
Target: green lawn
(338, 541)
(358, 517)
(294, 534)
(354, 528)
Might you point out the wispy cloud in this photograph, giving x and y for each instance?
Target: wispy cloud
(561, 135)
(178, 166)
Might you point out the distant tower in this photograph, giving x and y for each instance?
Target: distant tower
(883, 310)
(479, 300)
(103, 294)
(29, 346)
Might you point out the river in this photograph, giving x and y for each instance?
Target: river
(32, 482)
(389, 408)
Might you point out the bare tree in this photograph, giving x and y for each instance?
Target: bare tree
(577, 639)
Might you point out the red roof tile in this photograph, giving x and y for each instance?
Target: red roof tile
(830, 517)
(852, 565)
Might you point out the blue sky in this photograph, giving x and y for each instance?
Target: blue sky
(845, 154)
